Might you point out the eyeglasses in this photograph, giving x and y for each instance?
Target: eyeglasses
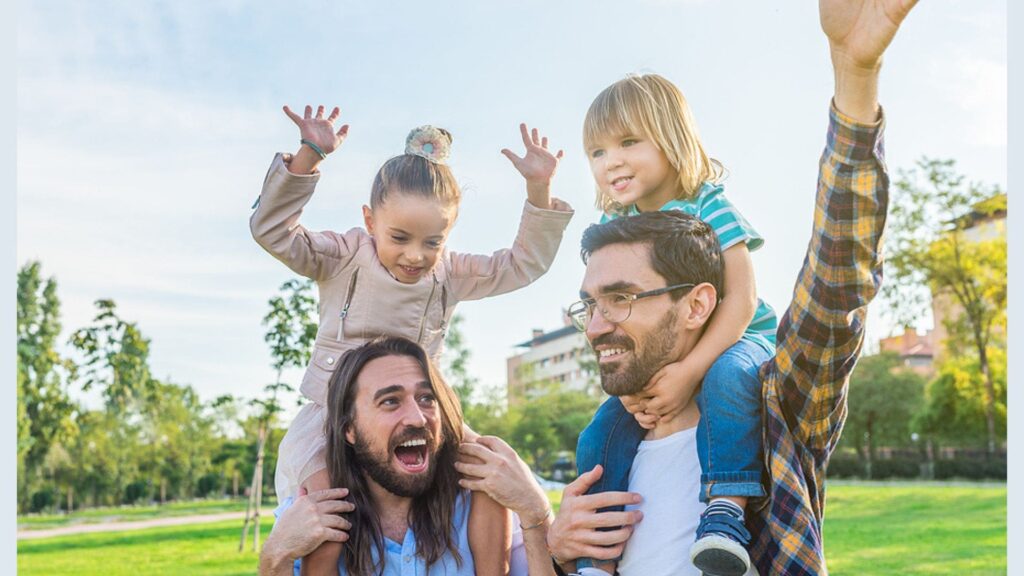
(615, 307)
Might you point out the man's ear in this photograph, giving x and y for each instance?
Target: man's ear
(368, 218)
(350, 435)
(703, 300)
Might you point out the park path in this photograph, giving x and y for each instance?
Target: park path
(134, 525)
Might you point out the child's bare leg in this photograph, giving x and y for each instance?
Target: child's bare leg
(490, 529)
(490, 536)
(324, 560)
(740, 501)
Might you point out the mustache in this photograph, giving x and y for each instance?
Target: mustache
(612, 340)
(413, 433)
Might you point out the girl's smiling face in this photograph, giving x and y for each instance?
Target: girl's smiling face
(409, 231)
(632, 170)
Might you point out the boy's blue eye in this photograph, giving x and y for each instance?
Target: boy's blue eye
(629, 142)
(398, 239)
(434, 243)
(596, 153)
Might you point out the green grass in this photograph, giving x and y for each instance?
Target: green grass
(915, 528)
(878, 529)
(208, 549)
(133, 513)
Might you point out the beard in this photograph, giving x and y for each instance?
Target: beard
(621, 380)
(378, 466)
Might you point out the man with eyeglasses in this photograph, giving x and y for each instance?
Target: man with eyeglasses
(645, 303)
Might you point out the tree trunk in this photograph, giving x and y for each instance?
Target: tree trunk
(255, 495)
(259, 488)
(71, 499)
(871, 446)
(163, 491)
(234, 485)
(990, 401)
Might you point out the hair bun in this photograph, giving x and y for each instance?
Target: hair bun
(429, 142)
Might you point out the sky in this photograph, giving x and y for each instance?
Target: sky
(144, 130)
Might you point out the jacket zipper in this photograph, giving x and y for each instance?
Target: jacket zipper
(426, 309)
(348, 302)
(444, 312)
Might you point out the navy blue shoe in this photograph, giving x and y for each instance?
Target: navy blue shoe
(720, 549)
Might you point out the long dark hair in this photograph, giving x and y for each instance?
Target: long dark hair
(432, 515)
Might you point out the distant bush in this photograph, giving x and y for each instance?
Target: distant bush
(972, 469)
(43, 500)
(843, 466)
(848, 466)
(209, 485)
(136, 491)
(895, 468)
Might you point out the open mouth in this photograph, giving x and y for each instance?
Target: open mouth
(412, 455)
(611, 354)
(620, 183)
(411, 270)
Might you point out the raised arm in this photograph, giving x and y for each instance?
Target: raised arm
(820, 336)
(287, 188)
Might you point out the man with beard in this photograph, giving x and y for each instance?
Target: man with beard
(652, 282)
(393, 431)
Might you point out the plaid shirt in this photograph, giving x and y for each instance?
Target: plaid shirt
(819, 339)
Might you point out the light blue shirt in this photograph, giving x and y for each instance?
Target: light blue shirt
(400, 559)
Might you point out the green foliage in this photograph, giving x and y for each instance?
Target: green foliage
(549, 421)
(291, 324)
(116, 357)
(929, 251)
(44, 407)
(938, 243)
(455, 361)
(955, 401)
(883, 398)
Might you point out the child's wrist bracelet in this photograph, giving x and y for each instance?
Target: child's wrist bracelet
(314, 147)
(547, 514)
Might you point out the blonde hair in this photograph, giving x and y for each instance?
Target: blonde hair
(650, 105)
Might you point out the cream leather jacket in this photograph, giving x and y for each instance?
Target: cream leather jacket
(360, 300)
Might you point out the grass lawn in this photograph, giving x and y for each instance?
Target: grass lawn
(208, 549)
(131, 513)
(915, 528)
(878, 529)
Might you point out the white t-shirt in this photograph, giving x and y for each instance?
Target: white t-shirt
(666, 473)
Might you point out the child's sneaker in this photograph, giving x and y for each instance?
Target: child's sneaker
(720, 549)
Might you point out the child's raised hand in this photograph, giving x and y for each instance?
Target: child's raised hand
(319, 130)
(539, 165)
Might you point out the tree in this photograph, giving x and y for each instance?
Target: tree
(930, 249)
(955, 401)
(292, 331)
(44, 407)
(455, 363)
(883, 398)
(116, 357)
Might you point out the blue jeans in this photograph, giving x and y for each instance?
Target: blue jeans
(728, 434)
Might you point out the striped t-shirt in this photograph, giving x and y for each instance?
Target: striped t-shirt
(712, 207)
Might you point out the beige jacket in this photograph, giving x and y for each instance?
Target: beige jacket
(360, 300)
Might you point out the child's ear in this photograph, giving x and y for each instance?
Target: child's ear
(368, 218)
